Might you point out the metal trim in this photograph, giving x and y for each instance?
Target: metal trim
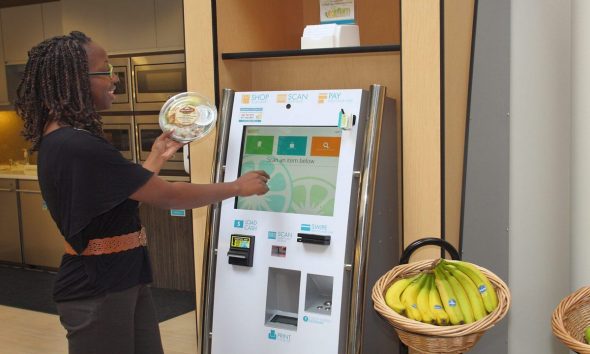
(28, 191)
(364, 215)
(227, 101)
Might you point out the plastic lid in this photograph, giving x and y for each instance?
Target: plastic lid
(190, 115)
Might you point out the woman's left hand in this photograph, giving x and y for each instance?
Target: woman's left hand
(164, 147)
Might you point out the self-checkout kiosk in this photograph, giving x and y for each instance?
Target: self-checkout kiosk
(291, 271)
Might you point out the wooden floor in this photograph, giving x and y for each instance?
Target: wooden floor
(30, 332)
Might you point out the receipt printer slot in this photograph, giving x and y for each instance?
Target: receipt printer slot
(313, 239)
(241, 250)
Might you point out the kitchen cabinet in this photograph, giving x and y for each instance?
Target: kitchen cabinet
(169, 24)
(42, 242)
(123, 26)
(10, 245)
(25, 26)
(3, 87)
(52, 21)
(22, 28)
(29, 235)
(170, 245)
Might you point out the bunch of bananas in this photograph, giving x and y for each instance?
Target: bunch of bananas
(452, 293)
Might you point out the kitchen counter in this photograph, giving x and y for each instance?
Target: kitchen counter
(18, 175)
(31, 174)
(26, 172)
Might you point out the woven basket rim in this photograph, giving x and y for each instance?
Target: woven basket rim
(565, 306)
(408, 325)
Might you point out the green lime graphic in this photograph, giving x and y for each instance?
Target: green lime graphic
(278, 196)
(313, 196)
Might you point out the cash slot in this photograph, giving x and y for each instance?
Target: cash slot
(241, 250)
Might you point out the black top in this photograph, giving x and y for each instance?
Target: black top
(86, 184)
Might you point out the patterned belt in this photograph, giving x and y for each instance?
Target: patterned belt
(113, 244)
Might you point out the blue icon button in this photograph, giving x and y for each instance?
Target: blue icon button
(292, 145)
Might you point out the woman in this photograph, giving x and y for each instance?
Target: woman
(93, 194)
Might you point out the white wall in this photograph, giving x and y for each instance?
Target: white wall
(540, 129)
(580, 143)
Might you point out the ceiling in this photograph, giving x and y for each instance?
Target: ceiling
(11, 3)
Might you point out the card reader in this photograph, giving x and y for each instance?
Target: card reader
(314, 239)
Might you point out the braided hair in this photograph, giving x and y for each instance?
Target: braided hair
(56, 86)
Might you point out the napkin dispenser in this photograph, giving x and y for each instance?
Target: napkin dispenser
(330, 36)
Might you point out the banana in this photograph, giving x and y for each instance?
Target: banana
(485, 288)
(479, 310)
(436, 306)
(448, 298)
(462, 298)
(422, 300)
(394, 292)
(409, 297)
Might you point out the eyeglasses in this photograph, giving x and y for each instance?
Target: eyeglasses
(103, 73)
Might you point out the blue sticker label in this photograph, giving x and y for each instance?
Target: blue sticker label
(482, 289)
(178, 212)
(452, 303)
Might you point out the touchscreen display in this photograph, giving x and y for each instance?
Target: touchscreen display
(302, 163)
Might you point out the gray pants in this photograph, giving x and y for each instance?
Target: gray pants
(116, 323)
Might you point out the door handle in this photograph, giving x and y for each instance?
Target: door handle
(7, 189)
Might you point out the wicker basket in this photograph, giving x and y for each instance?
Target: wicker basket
(428, 338)
(570, 318)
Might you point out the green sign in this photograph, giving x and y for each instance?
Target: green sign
(259, 144)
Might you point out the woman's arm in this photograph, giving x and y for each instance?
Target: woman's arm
(181, 195)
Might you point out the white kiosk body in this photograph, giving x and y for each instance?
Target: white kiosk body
(284, 273)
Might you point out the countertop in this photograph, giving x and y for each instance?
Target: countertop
(18, 175)
(30, 173)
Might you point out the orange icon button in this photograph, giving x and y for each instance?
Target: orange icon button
(325, 146)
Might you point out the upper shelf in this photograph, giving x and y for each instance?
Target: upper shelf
(305, 52)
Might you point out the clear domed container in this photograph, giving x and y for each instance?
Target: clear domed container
(190, 115)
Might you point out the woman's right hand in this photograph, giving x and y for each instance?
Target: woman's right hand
(251, 183)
